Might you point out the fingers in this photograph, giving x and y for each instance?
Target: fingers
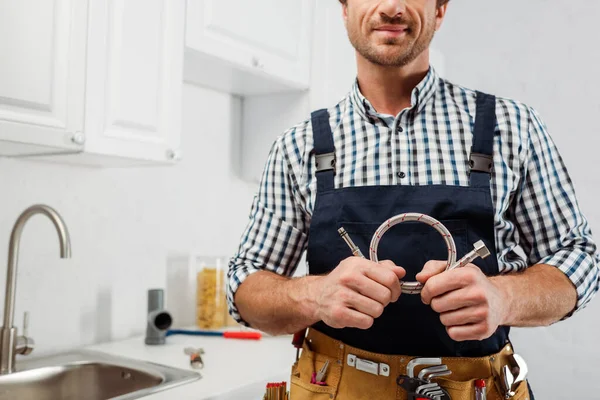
(399, 271)
(464, 316)
(448, 281)
(479, 331)
(388, 276)
(373, 290)
(362, 304)
(458, 299)
(357, 292)
(343, 317)
(431, 268)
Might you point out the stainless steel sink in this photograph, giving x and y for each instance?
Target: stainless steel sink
(89, 375)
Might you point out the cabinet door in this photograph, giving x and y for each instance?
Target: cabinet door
(272, 36)
(135, 72)
(42, 44)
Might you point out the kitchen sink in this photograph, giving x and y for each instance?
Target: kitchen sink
(89, 375)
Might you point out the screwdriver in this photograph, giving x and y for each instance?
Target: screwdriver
(480, 390)
(298, 341)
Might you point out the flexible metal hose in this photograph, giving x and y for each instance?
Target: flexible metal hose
(416, 287)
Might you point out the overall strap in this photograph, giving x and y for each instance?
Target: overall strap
(323, 149)
(482, 153)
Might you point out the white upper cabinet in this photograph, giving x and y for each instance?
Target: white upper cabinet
(41, 75)
(94, 82)
(135, 78)
(249, 47)
(333, 70)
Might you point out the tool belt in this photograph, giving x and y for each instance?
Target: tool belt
(355, 374)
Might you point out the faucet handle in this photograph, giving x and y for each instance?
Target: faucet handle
(25, 345)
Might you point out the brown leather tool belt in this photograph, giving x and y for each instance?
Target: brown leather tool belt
(354, 374)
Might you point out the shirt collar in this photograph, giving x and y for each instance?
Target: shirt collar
(421, 94)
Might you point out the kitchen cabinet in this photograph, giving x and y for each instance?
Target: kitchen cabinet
(95, 82)
(333, 70)
(249, 47)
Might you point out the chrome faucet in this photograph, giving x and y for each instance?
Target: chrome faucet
(10, 344)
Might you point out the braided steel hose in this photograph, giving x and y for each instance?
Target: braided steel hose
(480, 250)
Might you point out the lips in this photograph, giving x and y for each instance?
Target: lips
(392, 31)
(392, 28)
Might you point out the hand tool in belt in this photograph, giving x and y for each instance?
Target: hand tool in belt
(298, 341)
(480, 390)
(421, 387)
(319, 377)
(508, 375)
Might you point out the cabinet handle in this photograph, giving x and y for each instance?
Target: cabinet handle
(173, 155)
(78, 138)
(256, 63)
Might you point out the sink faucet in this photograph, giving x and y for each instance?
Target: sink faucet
(10, 344)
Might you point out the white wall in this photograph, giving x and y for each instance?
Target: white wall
(544, 53)
(123, 222)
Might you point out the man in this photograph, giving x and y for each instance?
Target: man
(404, 140)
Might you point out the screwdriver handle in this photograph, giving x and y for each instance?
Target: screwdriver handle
(298, 339)
(242, 335)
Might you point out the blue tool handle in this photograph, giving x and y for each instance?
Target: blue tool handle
(172, 332)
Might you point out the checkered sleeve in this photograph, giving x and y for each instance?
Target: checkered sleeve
(276, 234)
(552, 228)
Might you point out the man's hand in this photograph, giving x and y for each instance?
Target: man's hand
(356, 292)
(470, 305)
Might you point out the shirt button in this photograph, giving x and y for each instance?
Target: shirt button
(399, 129)
(401, 175)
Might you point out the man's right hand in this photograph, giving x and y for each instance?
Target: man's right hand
(356, 292)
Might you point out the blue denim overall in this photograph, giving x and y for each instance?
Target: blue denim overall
(408, 326)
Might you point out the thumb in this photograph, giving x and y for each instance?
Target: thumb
(399, 271)
(430, 269)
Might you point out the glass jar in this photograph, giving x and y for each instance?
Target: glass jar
(211, 301)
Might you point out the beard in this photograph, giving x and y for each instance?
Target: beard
(392, 52)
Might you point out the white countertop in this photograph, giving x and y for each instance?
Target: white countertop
(233, 369)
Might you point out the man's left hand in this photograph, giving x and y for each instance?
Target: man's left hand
(471, 306)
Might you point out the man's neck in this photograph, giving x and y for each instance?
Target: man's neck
(389, 89)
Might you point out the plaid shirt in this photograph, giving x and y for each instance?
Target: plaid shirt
(537, 218)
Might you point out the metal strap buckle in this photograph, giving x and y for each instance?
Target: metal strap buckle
(368, 366)
(481, 162)
(325, 162)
